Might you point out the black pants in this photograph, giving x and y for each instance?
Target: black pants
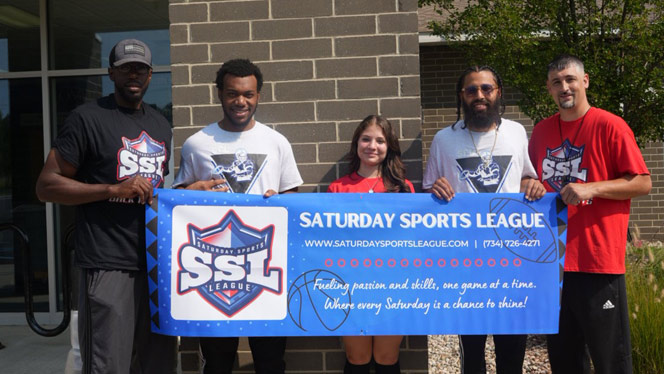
(510, 352)
(267, 352)
(593, 314)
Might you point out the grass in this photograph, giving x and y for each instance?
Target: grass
(645, 294)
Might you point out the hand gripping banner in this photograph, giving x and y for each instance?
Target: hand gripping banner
(223, 264)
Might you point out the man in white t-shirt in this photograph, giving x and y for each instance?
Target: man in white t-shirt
(239, 154)
(483, 153)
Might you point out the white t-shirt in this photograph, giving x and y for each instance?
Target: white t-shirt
(454, 157)
(252, 161)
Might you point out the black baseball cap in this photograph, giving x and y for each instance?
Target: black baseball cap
(130, 50)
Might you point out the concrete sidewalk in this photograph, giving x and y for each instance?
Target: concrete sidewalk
(26, 352)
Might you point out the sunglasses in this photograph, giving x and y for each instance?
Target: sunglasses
(138, 68)
(487, 89)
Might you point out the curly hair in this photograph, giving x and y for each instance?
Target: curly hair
(239, 68)
(392, 169)
(459, 87)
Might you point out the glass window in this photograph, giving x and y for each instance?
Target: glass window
(70, 92)
(82, 33)
(19, 35)
(21, 160)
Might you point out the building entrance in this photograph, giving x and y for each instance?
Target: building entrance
(54, 57)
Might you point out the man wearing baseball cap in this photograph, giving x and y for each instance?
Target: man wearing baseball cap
(106, 160)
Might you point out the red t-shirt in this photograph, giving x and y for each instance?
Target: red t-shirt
(354, 182)
(599, 147)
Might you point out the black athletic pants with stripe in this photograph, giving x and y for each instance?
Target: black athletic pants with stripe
(593, 321)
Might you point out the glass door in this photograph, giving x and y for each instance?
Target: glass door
(47, 68)
(21, 153)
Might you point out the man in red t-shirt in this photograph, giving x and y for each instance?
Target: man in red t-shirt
(590, 156)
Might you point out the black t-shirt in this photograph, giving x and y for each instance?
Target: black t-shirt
(109, 144)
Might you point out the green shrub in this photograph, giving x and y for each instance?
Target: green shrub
(645, 291)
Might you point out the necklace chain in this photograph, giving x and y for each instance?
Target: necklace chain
(486, 161)
(371, 190)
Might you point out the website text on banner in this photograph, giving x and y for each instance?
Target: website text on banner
(354, 264)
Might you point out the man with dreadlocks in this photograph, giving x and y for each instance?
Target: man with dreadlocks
(483, 153)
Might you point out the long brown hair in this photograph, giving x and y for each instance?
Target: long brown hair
(391, 169)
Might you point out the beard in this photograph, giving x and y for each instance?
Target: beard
(569, 104)
(237, 124)
(130, 96)
(481, 119)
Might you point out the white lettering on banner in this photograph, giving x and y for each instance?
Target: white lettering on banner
(417, 304)
(493, 220)
(466, 300)
(415, 220)
(195, 261)
(331, 284)
(347, 220)
(430, 220)
(197, 269)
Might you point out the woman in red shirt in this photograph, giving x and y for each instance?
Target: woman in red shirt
(375, 166)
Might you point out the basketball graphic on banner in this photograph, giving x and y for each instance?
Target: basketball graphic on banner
(319, 297)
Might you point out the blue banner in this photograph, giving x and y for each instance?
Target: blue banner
(223, 264)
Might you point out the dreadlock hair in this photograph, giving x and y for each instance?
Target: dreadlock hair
(459, 87)
(240, 68)
(391, 169)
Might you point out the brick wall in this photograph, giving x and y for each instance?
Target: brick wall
(647, 219)
(327, 64)
(442, 65)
